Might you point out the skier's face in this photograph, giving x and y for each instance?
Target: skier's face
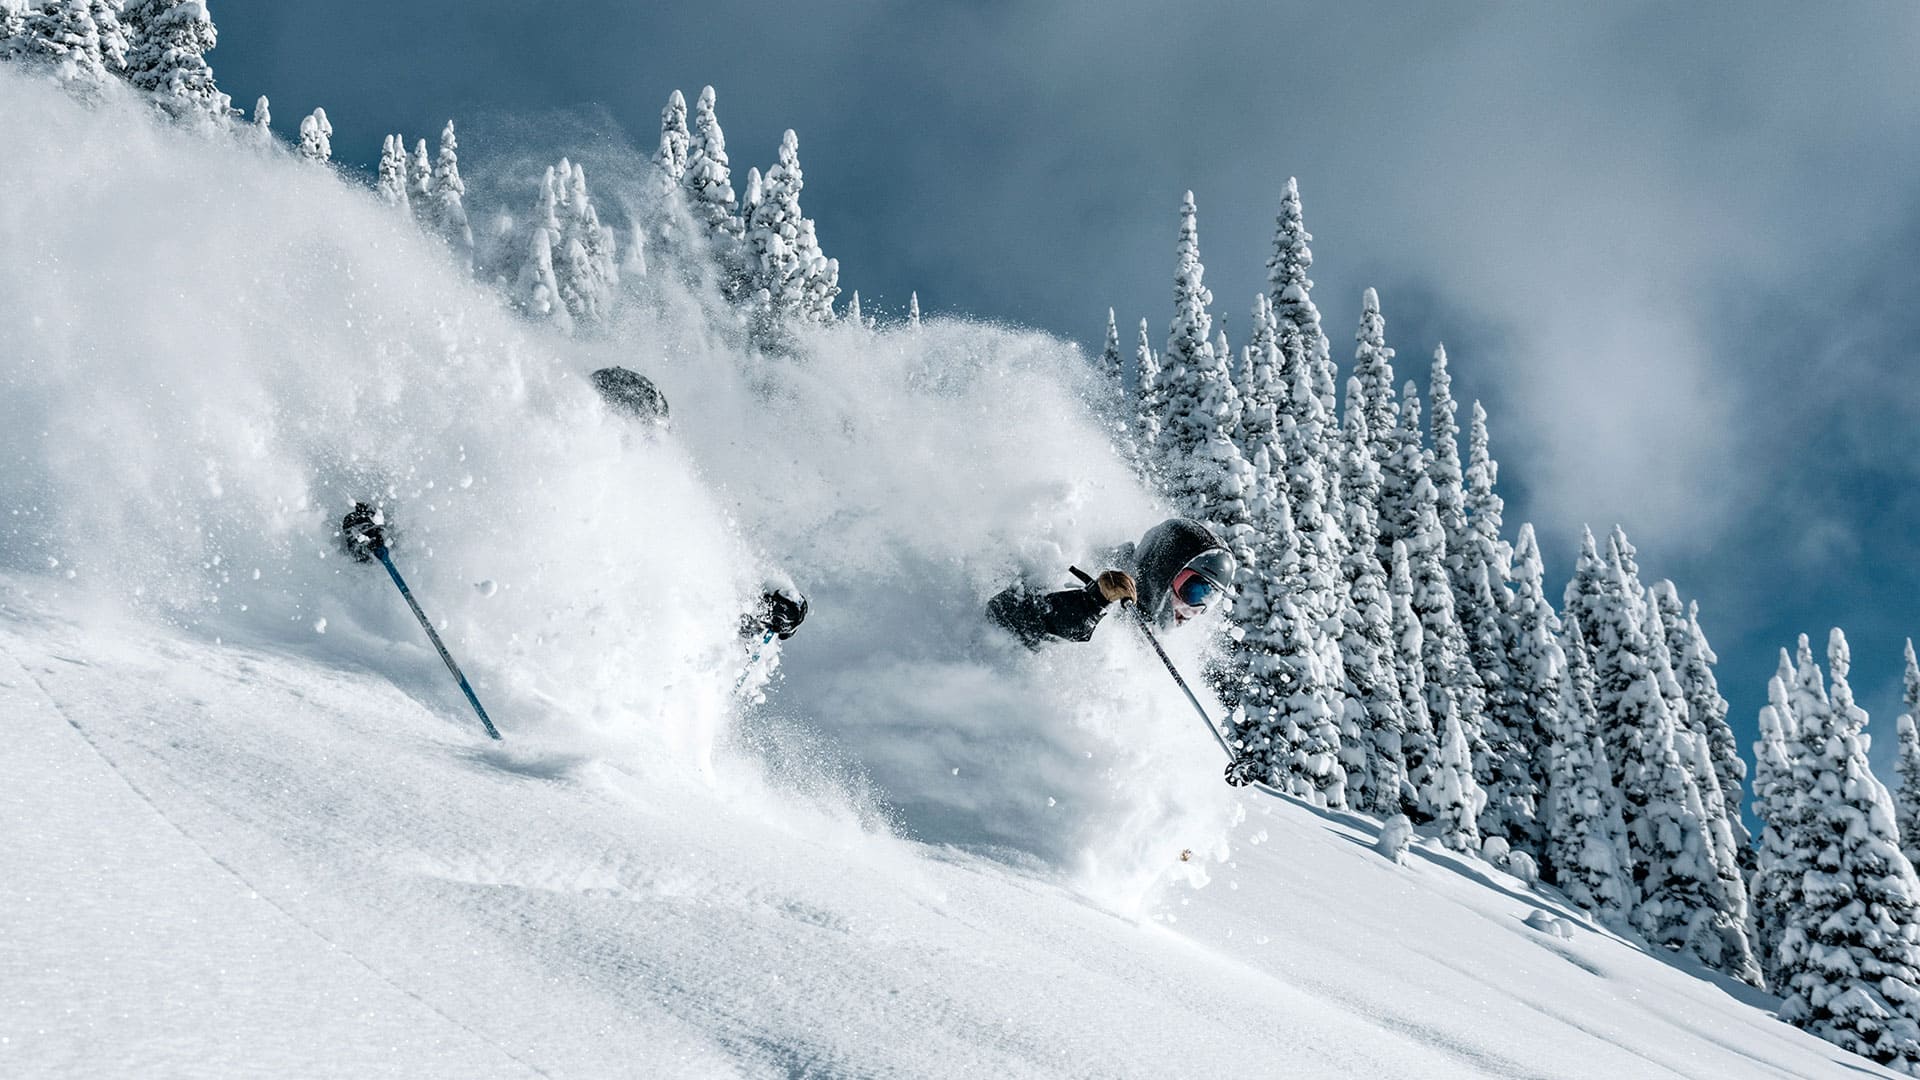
(1192, 595)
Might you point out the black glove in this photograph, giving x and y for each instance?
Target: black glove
(780, 613)
(1244, 769)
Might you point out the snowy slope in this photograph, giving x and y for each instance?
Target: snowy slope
(235, 861)
(250, 829)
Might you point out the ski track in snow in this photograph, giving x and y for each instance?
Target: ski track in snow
(46, 698)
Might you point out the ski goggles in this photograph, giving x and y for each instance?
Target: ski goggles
(1193, 590)
(1203, 580)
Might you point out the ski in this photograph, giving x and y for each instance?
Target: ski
(365, 537)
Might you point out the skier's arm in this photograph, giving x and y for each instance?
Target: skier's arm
(1069, 614)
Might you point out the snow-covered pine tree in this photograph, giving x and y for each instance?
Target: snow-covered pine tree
(1112, 363)
(1679, 901)
(1511, 773)
(1149, 404)
(852, 313)
(1445, 650)
(1692, 744)
(1270, 651)
(316, 137)
(1780, 778)
(1585, 834)
(1450, 797)
(1530, 704)
(1373, 368)
(392, 182)
(1206, 475)
(1693, 661)
(12, 18)
(538, 288)
(114, 42)
(821, 277)
(1506, 743)
(1582, 599)
(671, 158)
(449, 194)
(773, 283)
(1367, 643)
(1287, 714)
(1243, 388)
(1850, 956)
(1292, 293)
(1418, 744)
(752, 194)
(708, 181)
(420, 184)
(61, 35)
(1401, 474)
(1907, 799)
(167, 46)
(1449, 479)
(1485, 508)
(787, 274)
(1258, 432)
(585, 265)
(1304, 456)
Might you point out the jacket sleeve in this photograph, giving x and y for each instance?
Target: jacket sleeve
(1033, 617)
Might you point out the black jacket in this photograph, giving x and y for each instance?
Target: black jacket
(1034, 616)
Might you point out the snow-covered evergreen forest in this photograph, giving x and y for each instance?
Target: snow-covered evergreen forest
(1396, 650)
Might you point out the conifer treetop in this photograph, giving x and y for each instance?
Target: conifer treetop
(166, 56)
(672, 155)
(1373, 367)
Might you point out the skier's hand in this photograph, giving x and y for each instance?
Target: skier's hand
(1116, 585)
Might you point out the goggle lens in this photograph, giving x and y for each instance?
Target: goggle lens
(1192, 589)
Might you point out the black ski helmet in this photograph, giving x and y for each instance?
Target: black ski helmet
(1171, 546)
(633, 394)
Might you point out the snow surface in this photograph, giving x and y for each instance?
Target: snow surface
(252, 830)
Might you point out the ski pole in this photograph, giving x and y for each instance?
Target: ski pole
(1140, 620)
(1146, 629)
(386, 560)
(363, 533)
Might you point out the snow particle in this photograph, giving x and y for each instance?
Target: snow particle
(320, 625)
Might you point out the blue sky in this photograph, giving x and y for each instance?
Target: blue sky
(1671, 246)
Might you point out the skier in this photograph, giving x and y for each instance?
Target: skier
(773, 620)
(1177, 572)
(781, 610)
